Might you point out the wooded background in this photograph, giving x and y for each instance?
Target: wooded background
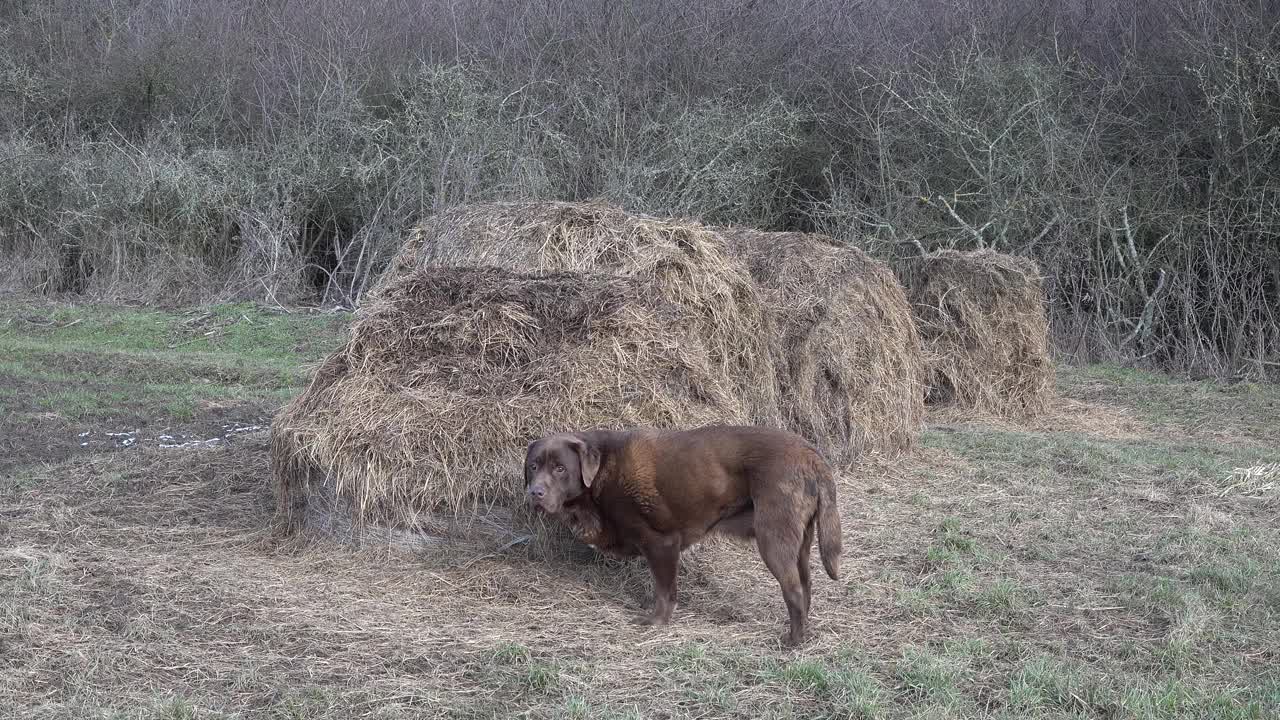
(175, 150)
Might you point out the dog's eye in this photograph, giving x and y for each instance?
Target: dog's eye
(559, 468)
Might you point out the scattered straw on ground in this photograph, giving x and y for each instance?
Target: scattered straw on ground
(986, 337)
(1063, 415)
(849, 360)
(1257, 482)
(142, 583)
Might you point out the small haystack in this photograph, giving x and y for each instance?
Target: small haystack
(449, 373)
(981, 315)
(849, 360)
(684, 261)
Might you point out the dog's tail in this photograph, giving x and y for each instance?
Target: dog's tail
(830, 540)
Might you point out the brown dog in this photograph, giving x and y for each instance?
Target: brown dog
(655, 493)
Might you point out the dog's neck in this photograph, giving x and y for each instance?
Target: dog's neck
(582, 510)
(582, 514)
(583, 518)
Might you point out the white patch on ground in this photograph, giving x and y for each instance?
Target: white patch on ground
(167, 439)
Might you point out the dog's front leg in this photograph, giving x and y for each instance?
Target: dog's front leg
(663, 554)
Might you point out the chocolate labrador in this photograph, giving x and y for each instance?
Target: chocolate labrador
(656, 492)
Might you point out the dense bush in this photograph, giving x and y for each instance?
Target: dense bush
(182, 150)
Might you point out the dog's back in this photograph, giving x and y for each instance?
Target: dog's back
(737, 480)
(790, 484)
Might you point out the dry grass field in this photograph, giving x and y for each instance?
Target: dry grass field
(1115, 558)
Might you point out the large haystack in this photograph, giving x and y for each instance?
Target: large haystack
(981, 315)
(450, 372)
(849, 360)
(684, 261)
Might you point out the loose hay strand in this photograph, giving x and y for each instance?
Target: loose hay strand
(1258, 482)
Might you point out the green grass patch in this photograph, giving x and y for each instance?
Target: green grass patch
(235, 330)
(932, 678)
(1178, 700)
(517, 666)
(171, 707)
(1226, 578)
(1117, 376)
(1193, 407)
(953, 537)
(80, 403)
(960, 574)
(1002, 596)
(732, 682)
(96, 363)
(1049, 684)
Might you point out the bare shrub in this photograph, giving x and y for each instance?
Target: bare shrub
(1128, 148)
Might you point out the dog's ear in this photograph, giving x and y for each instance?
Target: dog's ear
(528, 462)
(588, 457)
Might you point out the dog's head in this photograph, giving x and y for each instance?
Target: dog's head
(558, 469)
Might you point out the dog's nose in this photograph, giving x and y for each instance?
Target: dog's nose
(537, 491)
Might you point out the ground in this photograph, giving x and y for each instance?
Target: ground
(1116, 558)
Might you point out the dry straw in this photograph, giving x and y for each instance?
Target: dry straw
(499, 323)
(849, 359)
(451, 371)
(685, 261)
(981, 315)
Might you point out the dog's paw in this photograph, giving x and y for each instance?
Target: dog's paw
(651, 620)
(791, 640)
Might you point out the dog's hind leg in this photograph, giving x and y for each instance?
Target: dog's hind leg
(780, 550)
(802, 565)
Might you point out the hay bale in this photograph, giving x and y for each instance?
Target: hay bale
(849, 363)
(982, 318)
(685, 261)
(420, 421)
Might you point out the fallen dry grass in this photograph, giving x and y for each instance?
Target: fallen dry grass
(998, 571)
